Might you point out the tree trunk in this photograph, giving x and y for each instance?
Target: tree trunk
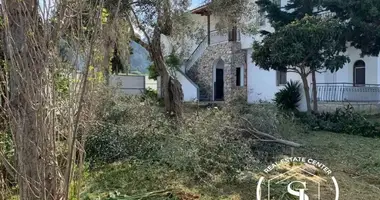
(315, 102)
(307, 91)
(29, 99)
(171, 87)
(106, 59)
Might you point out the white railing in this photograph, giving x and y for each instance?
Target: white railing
(347, 92)
(198, 52)
(215, 38)
(218, 38)
(326, 14)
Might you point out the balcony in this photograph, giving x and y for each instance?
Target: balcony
(347, 92)
(218, 38)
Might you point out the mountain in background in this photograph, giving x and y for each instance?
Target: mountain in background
(139, 60)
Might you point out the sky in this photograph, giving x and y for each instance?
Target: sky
(196, 3)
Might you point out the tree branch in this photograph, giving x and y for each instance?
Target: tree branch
(136, 38)
(8, 167)
(294, 69)
(261, 136)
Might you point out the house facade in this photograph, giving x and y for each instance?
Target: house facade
(220, 67)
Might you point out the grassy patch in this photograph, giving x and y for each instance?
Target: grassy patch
(214, 155)
(353, 159)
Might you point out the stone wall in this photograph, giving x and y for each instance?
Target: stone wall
(202, 72)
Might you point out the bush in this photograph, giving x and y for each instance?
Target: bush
(135, 130)
(289, 97)
(341, 121)
(152, 72)
(150, 93)
(208, 144)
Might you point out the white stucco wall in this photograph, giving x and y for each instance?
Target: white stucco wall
(190, 91)
(261, 84)
(346, 74)
(131, 85)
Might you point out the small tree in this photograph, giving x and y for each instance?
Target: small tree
(303, 46)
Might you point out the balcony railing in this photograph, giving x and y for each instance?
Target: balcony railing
(196, 54)
(347, 92)
(217, 37)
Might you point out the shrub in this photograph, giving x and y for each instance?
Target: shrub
(289, 97)
(172, 61)
(341, 121)
(150, 93)
(205, 145)
(153, 73)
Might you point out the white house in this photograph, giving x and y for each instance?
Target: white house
(221, 66)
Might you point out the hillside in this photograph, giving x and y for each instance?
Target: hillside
(139, 60)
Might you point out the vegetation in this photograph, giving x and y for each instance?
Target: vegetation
(362, 28)
(66, 135)
(311, 44)
(210, 161)
(173, 63)
(288, 98)
(137, 136)
(357, 20)
(341, 121)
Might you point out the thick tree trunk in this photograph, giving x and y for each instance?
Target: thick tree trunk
(171, 87)
(29, 98)
(315, 102)
(307, 91)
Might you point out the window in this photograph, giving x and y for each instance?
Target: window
(359, 73)
(232, 35)
(281, 78)
(238, 76)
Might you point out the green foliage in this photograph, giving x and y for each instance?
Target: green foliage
(341, 121)
(288, 98)
(172, 61)
(360, 18)
(203, 145)
(293, 10)
(153, 73)
(311, 42)
(141, 131)
(362, 29)
(150, 94)
(62, 84)
(6, 144)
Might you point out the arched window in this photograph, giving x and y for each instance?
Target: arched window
(359, 73)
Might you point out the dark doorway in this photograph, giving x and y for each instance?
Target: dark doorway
(219, 85)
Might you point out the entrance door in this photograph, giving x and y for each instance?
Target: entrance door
(219, 85)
